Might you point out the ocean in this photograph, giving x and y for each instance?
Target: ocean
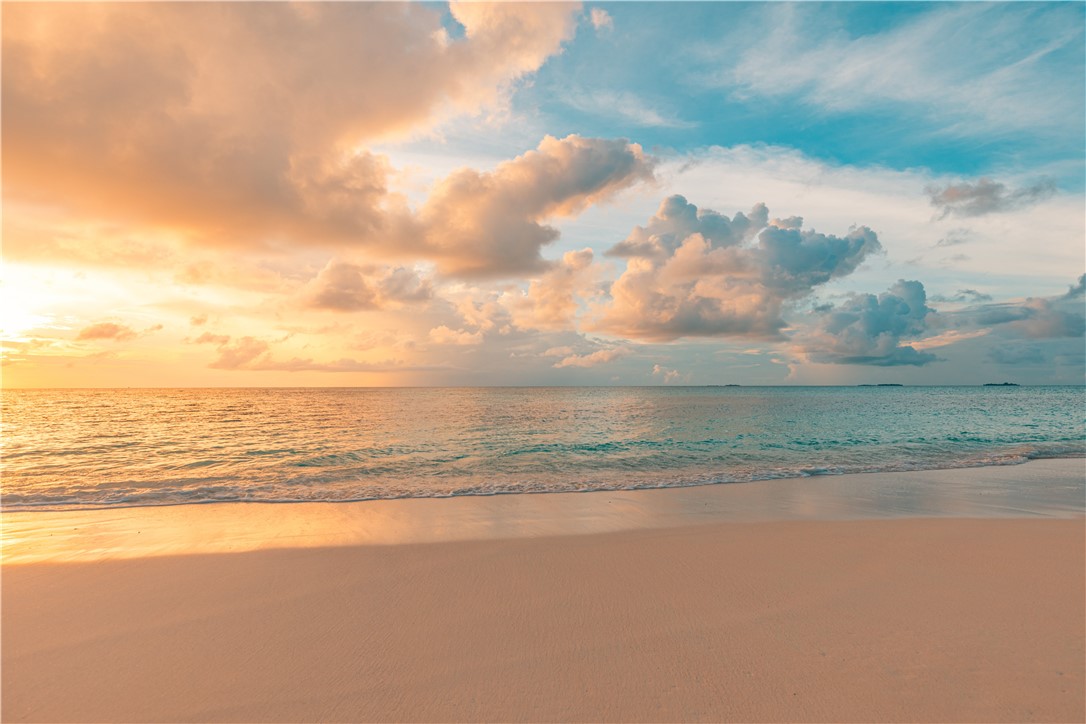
(90, 449)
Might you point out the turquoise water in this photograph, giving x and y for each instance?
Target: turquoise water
(111, 448)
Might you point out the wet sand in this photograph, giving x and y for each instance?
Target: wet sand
(1040, 488)
(901, 618)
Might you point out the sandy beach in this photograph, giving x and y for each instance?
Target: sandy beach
(892, 619)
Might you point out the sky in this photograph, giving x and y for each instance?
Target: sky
(371, 194)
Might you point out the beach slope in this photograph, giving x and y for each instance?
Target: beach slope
(862, 620)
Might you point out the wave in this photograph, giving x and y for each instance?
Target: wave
(343, 491)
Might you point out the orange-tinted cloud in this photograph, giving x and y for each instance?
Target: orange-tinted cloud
(598, 357)
(107, 330)
(551, 300)
(241, 354)
(491, 224)
(463, 338)
(238, 123)
(346, 287)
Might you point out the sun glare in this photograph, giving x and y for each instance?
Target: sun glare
(22, 304)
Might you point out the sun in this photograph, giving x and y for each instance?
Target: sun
(22, 304)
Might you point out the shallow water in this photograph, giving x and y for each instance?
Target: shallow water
(78, 449)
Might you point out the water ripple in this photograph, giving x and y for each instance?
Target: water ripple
(112, 448)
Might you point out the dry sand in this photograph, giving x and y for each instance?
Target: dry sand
(860, 620)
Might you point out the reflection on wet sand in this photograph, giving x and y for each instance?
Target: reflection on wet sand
(1044, 488)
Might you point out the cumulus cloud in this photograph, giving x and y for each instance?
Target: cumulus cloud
(694, 273)
(346, 287)
(107, 330)
(490, 224)
(1077, 289)
(239, 123)
(868, 330)
(666, 374)
(598, 357)
(677, 219)
(1043, 319)
(551, 301)
(984, 197)
(1034, 318)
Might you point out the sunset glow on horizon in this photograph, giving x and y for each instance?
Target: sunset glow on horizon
(371, 194)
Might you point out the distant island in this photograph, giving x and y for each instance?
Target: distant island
(884, 384)
(1001, 384)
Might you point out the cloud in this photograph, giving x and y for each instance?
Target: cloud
(624, 106)
(252, 354)
(698, 273)
(107, 330)
(985, 197)
(677, 219)
(1077, 289)
(868, 330)
(598, 357)
(1017, 354)
(239, 123)
(1042, 319)
(947, 338)
(668, 375)
(960, 69)
(893, 202)
(239, 355)
(297, 364)
(1035, 318)
(551, 300)
(601, 19)
(444, 335)
(209, 338)
(345, 287)
(971, 296)
(954, 237)
(489, 224)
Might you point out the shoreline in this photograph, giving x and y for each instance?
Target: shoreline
(1050, 487)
